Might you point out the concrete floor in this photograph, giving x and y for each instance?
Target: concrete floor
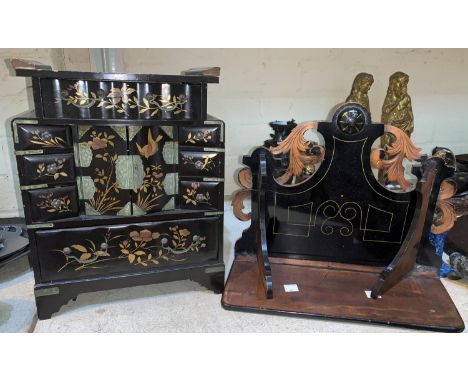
(181, 306)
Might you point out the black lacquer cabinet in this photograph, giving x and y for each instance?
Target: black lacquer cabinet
(122, 180)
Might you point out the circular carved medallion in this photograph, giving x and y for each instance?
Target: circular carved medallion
(351, 121)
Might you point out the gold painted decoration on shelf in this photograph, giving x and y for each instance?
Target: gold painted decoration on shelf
(400, 148)
(361, 86)
(138, 248)
(193, 196)
(298, 148)
(445, 215)
(121, 99)
(54, 204)
(46, 139)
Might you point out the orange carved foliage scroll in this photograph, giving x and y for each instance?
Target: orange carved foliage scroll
(444, 209)
(244, 179)
(297, 146)
(401, 148)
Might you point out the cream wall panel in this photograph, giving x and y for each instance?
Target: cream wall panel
(260, 85)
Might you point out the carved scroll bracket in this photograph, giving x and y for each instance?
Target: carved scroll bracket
(401, 148)
(244, 179)
(445, 215)
(298, 150)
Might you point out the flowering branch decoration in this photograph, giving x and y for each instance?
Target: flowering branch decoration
(200, 136)
(53, 170)
(151, 189)
(142, 247)
(204, 164)
(121, 100)
(46, 139)
(104, 199)
(51, 204)
(193, 196)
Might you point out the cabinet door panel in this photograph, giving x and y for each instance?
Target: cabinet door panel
(100, 251)
(104, 170)
(151, 148)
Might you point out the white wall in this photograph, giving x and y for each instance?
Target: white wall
(261, 85)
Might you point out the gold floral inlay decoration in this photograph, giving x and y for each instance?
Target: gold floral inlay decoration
(53, 170)
(121, 100)
(103, 199)
(46, 139)
(206, 162)
(192, 195)
(54, 204)
(151, 189)
(142, 248)
(200, 136)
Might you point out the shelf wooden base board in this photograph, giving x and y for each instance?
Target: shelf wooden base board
(333, 290)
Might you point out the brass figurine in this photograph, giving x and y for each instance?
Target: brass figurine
(361, 86)
(397, 110)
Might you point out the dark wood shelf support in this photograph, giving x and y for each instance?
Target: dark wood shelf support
(263, 261)
(405, 259)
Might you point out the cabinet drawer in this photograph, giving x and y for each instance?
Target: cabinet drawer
(205, 163)
(40, 137)
(201, 195)
(46, 169)
(47, 204)
(207, 136)
(99, 251)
